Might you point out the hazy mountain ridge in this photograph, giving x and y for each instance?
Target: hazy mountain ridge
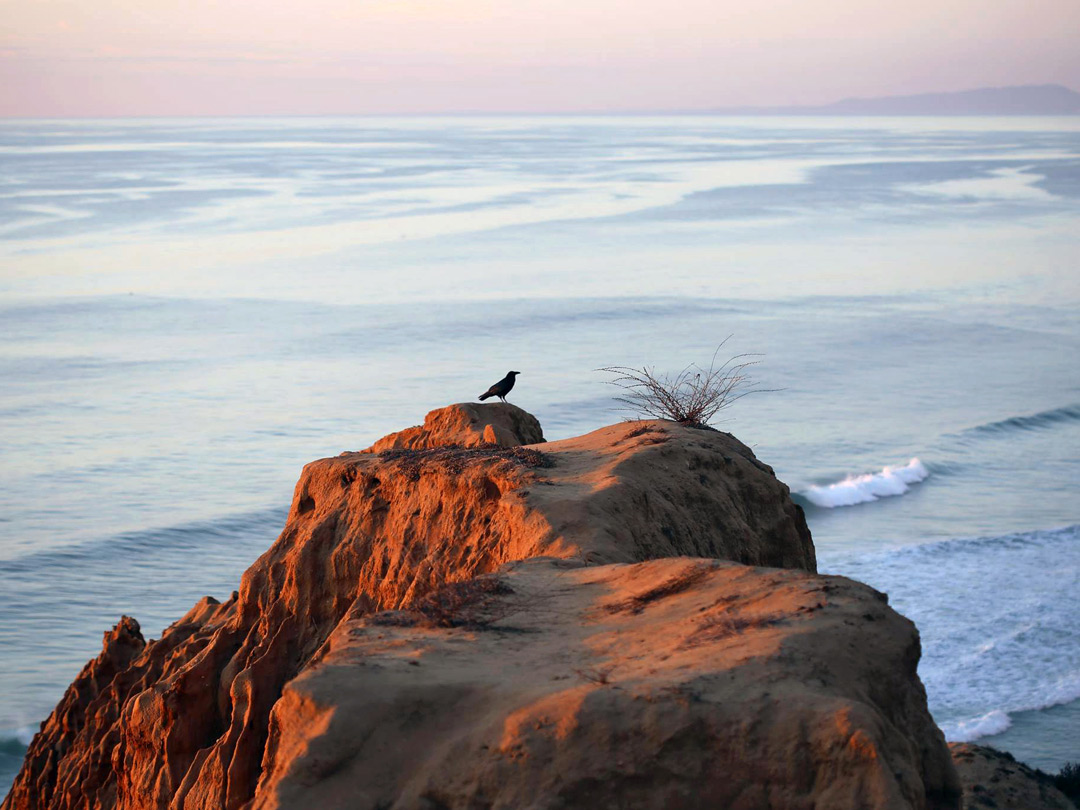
(1030, 99)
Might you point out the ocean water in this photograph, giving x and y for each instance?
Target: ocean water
(190, 310)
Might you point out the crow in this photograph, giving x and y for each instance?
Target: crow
(501, 388)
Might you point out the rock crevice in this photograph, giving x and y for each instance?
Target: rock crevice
(227, 708)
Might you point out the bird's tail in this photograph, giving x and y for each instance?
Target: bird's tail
(485, 395)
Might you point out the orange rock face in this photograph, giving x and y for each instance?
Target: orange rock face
(675, 683)
(184, 722)
(467, 424)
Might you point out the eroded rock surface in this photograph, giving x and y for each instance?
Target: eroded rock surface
(66, 742)
(668, 684)
(467, 424)
(185, 722)
(994, 779)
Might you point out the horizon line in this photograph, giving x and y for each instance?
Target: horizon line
(674, 113)
(833, 109)
(826, 110)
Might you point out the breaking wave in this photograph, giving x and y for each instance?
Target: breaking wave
(12, 749)
(16, 742)
(987, 725)
(856, 489)
(998, 720)
(993, 646)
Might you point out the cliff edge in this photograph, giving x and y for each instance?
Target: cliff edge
(496, 573)
(678, 683)
(992, 778)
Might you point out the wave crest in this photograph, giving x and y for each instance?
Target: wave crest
(987, 725)
(1036, 421)
(998, 720)
(15, 743)
(856, 489)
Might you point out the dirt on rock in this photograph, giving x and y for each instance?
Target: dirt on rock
(391, 541)
(665, 684)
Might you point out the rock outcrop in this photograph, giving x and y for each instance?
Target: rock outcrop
(467, 424)
(201, 719)
(675, 683)
(88, 708)
(992, 778)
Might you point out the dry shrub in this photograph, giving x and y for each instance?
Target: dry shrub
(1067, 780)
(682, 581)
(692, 397)
(655, 435)
(601, 676)
(474, 603)
(721, 625)
(640, 430)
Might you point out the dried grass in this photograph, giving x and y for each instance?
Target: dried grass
(692, 397)
(475, 603)
(722, 625)
(682, 581)
(601, 676)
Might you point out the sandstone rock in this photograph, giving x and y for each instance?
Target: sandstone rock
(69, 763)
(467, 424)
(669, 684)
(186, 724)
(992, 778)
(89, 706)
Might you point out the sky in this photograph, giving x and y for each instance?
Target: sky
(251, 57)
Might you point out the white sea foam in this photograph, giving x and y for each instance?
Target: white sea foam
(857, 489)
(993, 645)
(1004, 184)
(993, 722)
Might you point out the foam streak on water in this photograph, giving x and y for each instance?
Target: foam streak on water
(993, 645)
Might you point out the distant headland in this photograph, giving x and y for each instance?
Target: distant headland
(1028, 99)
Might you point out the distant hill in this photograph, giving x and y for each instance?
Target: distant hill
(1028, 99)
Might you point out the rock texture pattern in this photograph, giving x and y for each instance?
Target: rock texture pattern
(468, 425)
(994, 779)
(667, 684)
(201, 719)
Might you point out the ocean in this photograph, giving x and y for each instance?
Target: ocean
(190, 310)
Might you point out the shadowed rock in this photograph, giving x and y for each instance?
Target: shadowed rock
(198, 719)
(992, 778)
(665, 684)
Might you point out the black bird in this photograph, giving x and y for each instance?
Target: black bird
(501, 388)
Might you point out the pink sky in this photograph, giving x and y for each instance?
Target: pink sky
(204, 57)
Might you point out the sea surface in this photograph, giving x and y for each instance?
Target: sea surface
(190, 310)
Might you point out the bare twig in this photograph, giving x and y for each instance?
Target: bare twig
(475, 603)
(601, 676)
(694, 396)
(684, 580)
